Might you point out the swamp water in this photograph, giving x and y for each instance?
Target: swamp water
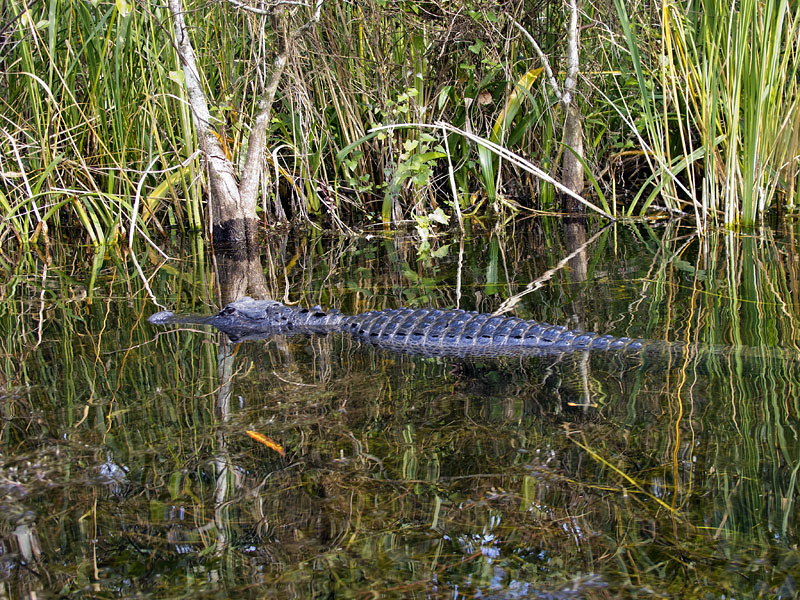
(127, 470)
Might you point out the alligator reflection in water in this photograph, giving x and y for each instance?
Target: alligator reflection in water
(428, 332)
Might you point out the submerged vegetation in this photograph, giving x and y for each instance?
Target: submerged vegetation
(685, 107)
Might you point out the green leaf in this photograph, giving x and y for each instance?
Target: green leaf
(441, 252)
(444, 96)
(429, 156)
(123, 7)
(513, 104)
(349, 148)
(476, 47)
(439, 216)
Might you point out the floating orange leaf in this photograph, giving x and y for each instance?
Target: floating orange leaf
(266, 441)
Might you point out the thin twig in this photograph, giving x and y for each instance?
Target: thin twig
(452, 176)
(542, 57)
(270, 7)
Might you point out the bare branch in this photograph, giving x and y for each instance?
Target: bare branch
(270, 6)
(251, 172)
(313, 20)
(571, 80)
(542, 57)
(255, 149)
(258, 135)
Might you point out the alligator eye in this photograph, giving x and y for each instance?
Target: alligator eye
(228, 310)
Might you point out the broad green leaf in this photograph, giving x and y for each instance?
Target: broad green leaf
(513, 104)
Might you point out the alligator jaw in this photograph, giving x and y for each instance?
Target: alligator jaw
(245, 313)
(256, 319)
(167, 317)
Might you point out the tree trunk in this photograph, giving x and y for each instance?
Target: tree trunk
(232, 204)
(571, 167)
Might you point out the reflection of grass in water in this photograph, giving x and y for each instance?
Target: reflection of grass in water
(432, 470)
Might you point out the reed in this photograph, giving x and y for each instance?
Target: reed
(92, 109)
(85, 98)
(719, 104)
(93, 105)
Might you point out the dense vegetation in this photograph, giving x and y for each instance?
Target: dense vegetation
(687, 107)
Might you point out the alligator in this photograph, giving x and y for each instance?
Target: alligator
(423, 331)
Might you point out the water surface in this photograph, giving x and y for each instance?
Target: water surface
(127, 469)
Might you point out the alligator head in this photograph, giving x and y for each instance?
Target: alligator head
(247, 318)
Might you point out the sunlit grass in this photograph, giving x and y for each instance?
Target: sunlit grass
(720, 101)
(93, 105)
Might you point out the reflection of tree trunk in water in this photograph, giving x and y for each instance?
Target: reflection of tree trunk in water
(225, 363)
(239, 273)
(575, 240)
(222, 471)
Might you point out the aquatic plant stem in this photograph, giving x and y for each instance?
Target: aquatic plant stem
(452, 177)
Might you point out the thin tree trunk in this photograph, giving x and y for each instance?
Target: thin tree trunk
(229, 220)
(571, 167)
(258, 136)
(232, 204)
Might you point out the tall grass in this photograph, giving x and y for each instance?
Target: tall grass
(719, 106)
(93, 104)
(86, 95)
